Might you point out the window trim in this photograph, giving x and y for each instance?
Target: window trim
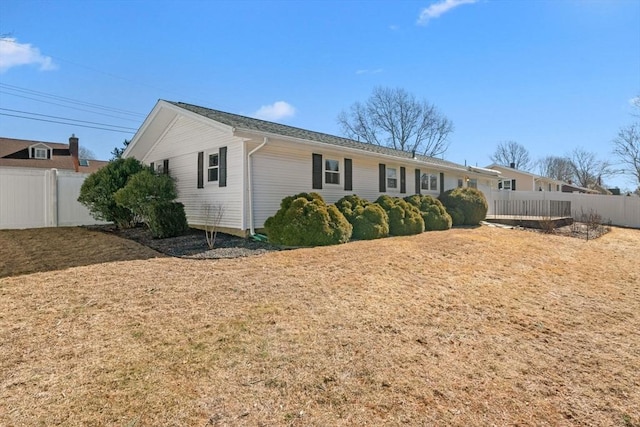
(40, 153)
(430, 176)
(327, 172)
(394, 178)
(211, 168)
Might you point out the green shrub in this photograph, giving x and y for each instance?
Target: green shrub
(143, 189)
(166, 219)
(433, 213)
(306, 220)
(97, 191)
(369, 220)
(404, 218)
(467, 206)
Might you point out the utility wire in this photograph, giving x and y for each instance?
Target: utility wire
(69, 100)
(64, 123)
(66, 118)
(69, 106)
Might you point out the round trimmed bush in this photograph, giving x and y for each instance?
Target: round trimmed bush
(369, 220)
(467, 206)
(435, 216)
(404, 218)
(306, 220)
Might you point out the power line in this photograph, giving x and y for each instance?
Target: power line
(69, 100)
(69, 106)
(66, 118)
(64, 123)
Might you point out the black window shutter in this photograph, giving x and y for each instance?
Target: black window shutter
(316, 174)
(441, 183)
(513, 185)
(418, 181)
(348, 175)
(152, 167)
(222, 165)
(201, 169)
(48, 154)
(165, 166)
(383, 178)
(403, 179)
(33, 152)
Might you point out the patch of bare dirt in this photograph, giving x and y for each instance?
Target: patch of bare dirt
(481, 326)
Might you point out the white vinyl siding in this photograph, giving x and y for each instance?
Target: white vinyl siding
(192, 136)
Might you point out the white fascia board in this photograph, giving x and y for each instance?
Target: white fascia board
(246, 133)
(142, 128)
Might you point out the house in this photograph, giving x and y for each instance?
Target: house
(45, 155)
(517, 180)
(244, 167)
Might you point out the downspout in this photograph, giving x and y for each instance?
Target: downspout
(252, 230)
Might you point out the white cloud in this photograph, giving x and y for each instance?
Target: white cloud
(276, 111)
(14, 54)
(437, 9)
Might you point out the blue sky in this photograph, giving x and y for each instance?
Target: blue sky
(552, 75)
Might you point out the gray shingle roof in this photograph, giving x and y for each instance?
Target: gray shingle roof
(251, 124)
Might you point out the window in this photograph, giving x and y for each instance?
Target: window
(472, 183)
(460, 183)
(506, 184)
(213, 167)
(83, 162)
(429, 182)
(392, 178)
(331, 171)
(40, 153)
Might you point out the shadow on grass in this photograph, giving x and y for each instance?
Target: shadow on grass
(47, 249)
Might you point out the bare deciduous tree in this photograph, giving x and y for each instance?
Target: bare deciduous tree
(85, 153)
(394, 118)
(213, 214)
(508, 152)
(626, 146)
(555, 167)
(587, 168)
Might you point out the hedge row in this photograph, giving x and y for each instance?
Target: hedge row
(305, 219)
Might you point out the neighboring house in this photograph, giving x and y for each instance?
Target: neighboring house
(45, 155)
(516, 180)
(245, 166)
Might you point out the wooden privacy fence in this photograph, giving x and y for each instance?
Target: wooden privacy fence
(540, 208)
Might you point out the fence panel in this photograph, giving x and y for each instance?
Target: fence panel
(32, 198)
(619, 210)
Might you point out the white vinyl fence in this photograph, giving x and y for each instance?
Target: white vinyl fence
(32, 198)
(619, 210)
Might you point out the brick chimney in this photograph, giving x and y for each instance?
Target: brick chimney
(512, 165)
(73, 150)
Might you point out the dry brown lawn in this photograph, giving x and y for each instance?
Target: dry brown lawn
(479, 326)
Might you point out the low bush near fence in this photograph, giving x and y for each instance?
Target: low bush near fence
(467, 206)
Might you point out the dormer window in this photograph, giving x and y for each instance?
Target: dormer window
(39, 151)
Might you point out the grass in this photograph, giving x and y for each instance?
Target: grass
(480, 326)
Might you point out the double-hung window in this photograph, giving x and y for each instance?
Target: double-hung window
(506, 184)
(429, 182)
(213, 167)
(331, 171)
(392, 178)
(40, 153)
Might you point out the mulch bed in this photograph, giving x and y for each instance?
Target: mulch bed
(193, 244)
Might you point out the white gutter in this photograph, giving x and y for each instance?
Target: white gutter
(252, 230)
